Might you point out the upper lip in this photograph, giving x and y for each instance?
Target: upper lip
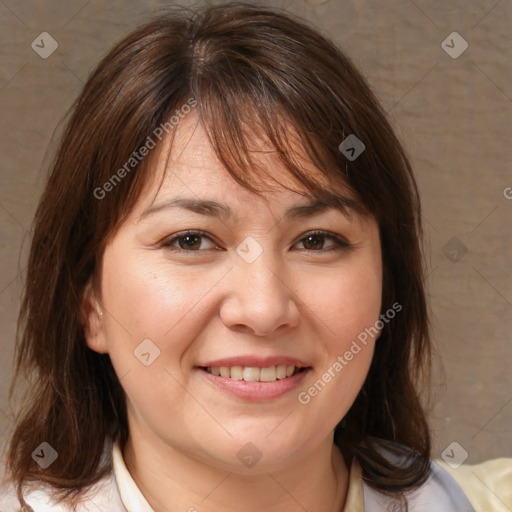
(255, 362)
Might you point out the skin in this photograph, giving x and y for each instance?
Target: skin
(296, 299)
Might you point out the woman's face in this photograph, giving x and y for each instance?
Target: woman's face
(254, 297)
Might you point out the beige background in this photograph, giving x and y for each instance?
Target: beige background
(453, 115)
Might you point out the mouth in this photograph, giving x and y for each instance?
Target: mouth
(254, 373)
(255, 379)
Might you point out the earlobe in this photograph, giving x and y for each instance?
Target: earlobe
(92, 320)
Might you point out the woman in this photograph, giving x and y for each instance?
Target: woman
(224, 306)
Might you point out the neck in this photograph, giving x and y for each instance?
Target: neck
(171, 481)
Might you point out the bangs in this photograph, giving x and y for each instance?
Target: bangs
(254, 137)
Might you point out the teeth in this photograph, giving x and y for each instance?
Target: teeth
(268, 374)
(281, 371)
(251, 374)
(254, 374)
(237, 372)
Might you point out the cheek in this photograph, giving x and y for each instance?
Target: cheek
(150, 300)
(347, 303)
(348, 310)
(169, 307)
(148, 329)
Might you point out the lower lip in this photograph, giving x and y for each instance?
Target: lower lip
(257, 391)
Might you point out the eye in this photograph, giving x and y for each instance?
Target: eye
(190, 241)
(314, 241)
(194, 241)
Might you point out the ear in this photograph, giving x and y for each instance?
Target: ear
(92, 319)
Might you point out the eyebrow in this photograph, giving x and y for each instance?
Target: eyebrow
(215, 209)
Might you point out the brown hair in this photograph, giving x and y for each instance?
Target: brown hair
(251, 70)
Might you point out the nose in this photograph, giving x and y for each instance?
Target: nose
(260, 299)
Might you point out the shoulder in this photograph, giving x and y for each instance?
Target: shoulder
(440, 493)
(479, 488)
(102, 496)
(488, 485)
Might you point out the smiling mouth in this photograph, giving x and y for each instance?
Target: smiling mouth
(254, 374)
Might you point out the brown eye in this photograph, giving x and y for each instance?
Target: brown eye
(315, 242)
(190, 241)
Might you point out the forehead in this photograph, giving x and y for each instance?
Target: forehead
(187, 160)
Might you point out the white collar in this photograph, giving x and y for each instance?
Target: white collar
(134, 501)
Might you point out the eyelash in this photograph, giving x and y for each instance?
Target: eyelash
(340, 244)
